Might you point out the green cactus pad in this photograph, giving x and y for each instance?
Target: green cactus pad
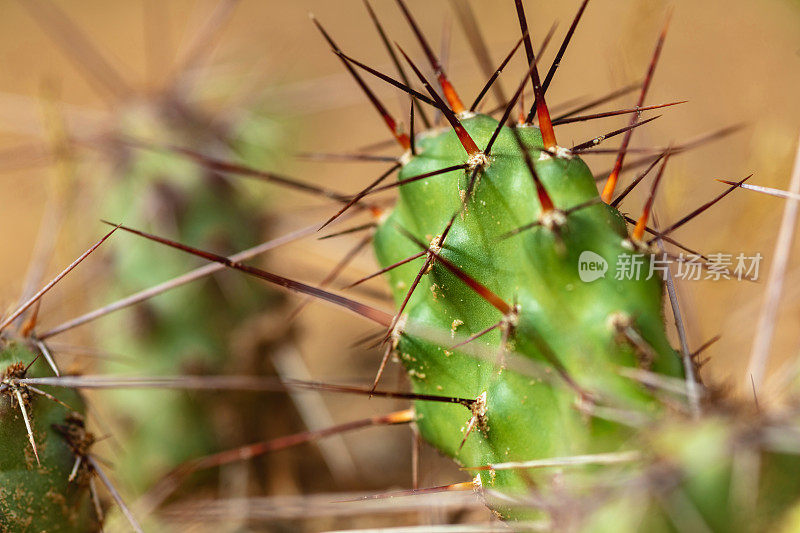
(560, 316)
(39, 497)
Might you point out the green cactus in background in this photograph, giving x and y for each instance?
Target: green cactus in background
(147, 179)
(192, 329)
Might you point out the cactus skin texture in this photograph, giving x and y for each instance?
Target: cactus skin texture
(560, 318)
(556, 308)
(39, 497)
(192, 329)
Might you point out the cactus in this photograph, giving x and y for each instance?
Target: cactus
(537, 304)
(41, 441)
(561, 394)
(503, 239)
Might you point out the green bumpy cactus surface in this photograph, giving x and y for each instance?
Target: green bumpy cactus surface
(574, 331)
(39, 496)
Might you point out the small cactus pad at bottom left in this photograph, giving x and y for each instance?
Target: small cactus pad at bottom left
(46, 489)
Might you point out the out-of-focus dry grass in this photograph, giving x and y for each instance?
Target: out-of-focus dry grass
(734, 60)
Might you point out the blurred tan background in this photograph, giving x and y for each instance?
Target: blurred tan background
(734, 60)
